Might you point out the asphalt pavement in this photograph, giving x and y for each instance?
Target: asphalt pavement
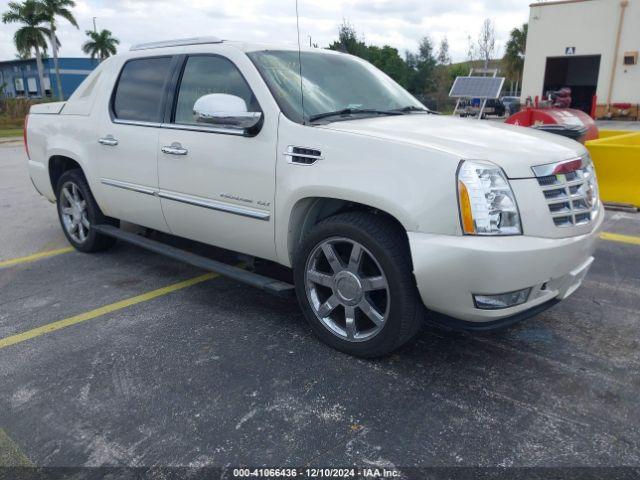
(145, 366)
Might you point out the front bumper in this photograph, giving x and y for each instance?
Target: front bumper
(449, 270)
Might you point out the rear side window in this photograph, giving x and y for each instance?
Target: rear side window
(140, 90)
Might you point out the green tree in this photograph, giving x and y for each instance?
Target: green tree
(487, 41)
(52, 9)
(513, 60)
(23, 55)
(348, 41)
(457, 70)
(443, 53)
(422, 66)
(100, 44)
(31, 35)
(388, 60)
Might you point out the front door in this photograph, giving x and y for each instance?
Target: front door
(128, 143)
(217, 186)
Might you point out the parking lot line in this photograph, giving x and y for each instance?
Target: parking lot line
(10, 453)
(83, 317)
(616, 237)
(34, 257)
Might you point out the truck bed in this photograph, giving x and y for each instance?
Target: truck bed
(52, 108)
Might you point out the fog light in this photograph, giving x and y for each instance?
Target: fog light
(502, 300)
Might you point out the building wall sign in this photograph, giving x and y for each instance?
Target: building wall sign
(570, 51)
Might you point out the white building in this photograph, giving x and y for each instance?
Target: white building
(590, 46)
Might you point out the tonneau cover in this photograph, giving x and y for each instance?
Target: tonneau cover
(52, 108)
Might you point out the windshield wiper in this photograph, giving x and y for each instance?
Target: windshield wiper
(353, 111)
(411, 108)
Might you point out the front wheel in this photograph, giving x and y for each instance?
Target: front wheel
(78, 211)
(355, 284)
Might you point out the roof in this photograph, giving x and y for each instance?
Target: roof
(44, 60)
(558, 2)
(240, 45)
(176, 43)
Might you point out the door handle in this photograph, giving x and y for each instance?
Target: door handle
(174, 149)
(108, 141)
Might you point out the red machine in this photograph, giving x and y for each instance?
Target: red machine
(555, 116)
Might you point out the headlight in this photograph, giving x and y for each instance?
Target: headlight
(592, 193)
(487, 203)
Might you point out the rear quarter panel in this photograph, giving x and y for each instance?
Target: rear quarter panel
(59, 135)
(68, 129)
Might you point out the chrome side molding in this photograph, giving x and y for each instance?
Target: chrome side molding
(190, 199)
(134, 187)
(215, 205)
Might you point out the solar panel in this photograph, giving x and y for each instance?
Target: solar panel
(477, 87)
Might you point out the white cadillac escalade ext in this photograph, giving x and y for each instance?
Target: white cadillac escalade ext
(379, 206)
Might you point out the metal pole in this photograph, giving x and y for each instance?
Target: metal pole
(614, 63)
(94, 25)
(484, 104)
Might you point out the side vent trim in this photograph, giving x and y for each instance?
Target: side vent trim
(302, 155)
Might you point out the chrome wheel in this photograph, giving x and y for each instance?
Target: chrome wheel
(73, 210)
(347, 289)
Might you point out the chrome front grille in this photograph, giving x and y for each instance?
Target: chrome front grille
(570, 190)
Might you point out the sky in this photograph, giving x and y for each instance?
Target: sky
(399, 23)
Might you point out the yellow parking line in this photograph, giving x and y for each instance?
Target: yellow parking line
(616, 237)
(10, 453)
(83, 317)
(35, 256)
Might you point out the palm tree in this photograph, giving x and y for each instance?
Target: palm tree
(100, 44)
(515, 51)
(52, 9)
(31, 35)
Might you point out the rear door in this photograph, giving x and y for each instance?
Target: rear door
(128, 142)
(217, 186)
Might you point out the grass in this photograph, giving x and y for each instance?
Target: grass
(10, 132)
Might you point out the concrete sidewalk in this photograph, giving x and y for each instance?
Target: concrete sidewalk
(617, 125)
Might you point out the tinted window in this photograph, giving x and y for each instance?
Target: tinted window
(140, 89)
(204, 75)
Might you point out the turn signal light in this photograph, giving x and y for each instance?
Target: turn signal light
(465, 210)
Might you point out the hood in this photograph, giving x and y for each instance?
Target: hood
(515, 149)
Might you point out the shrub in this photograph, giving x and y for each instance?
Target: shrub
(13, 111)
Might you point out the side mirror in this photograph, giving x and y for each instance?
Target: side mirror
(226, 111)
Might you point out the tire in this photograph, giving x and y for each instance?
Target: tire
(78, 210)
(375, 286)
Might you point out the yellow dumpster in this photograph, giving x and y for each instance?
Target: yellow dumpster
(616, 155)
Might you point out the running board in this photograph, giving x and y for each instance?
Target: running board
(276, 287)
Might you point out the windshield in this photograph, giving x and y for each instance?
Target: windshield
(332, 83)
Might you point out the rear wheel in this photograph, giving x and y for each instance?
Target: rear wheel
(78, 211)
(355, 284)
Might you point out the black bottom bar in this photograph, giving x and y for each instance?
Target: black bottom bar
(276, 287)
(454, 323)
